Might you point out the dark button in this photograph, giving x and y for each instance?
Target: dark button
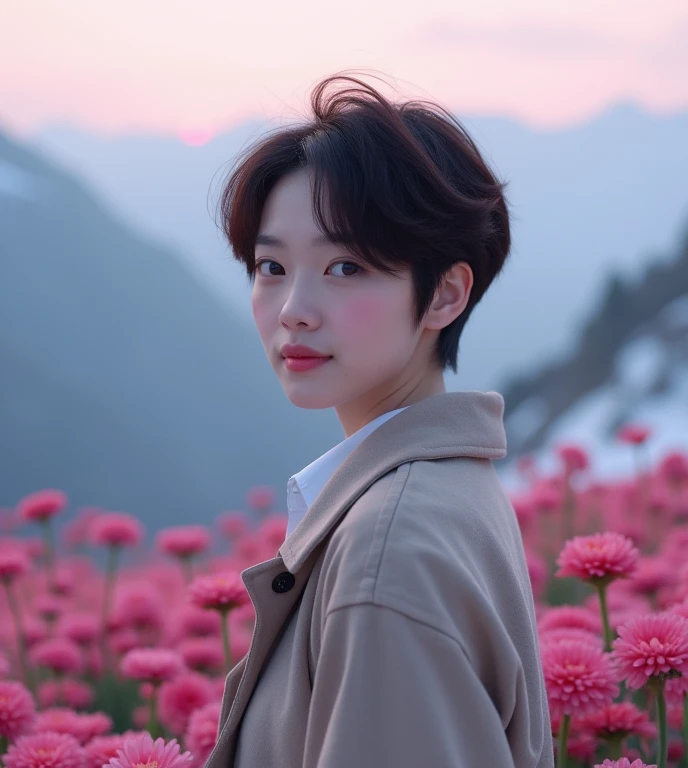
(284, 582)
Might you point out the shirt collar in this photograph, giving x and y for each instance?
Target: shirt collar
(311, 479)
(440, 426)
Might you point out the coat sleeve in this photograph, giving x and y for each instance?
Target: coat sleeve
(392, 691)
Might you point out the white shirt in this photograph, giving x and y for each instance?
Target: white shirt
(304, 486)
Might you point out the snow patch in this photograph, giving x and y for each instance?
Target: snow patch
(639, 364)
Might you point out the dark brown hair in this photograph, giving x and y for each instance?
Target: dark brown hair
(404, 185)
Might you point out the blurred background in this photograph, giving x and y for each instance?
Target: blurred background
(131, 374)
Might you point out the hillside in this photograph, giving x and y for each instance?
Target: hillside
(630, 364)
(123, 378)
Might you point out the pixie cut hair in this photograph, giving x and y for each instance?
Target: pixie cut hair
(402, 187)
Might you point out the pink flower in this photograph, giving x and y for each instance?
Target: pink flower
(116, 529)
(76, 694)
(58, 720)
(620, 718)
(34, 630)
(83, 726)
(178, 698)
(652, 645)
(140, 751)
(124, 640)
(219, 591)
(571, 617)
(624, 763)
(48, 606)
(202, 653)
(41, 506)
(549, 636)
(183, 540)
(598, 558)
(273, 530)
(17, 709)
(247, 547)
(652, 574)
(77, 531)
(45, 750)
(201, 733)
(153, 665)
(4, 666)
(58, 654)
(674, 467)
(100, 749)
(92, 724)
(232, 524)
(13, 564)
(81, 628)
(635, 434)
(574, 458)
(260, 497)
(65, 581)
(579, 677)
(197, 622)
(139, 605)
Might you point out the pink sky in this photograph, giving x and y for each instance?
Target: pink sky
(183, 68)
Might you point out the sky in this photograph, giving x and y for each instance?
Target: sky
(191, 69)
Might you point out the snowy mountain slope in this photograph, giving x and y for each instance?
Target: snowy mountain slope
(643, 377)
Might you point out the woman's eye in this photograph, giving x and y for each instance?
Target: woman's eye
(260, 264)
(273, 274)
(349, 264)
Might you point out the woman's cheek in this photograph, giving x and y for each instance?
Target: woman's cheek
(365, 314)
(261, 318)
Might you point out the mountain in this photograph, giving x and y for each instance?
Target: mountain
(125, 382)
(630, 364)
(588, 200)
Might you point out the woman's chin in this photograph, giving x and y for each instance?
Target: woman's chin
(310, 400)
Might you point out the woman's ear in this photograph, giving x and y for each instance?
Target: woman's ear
(451, 297)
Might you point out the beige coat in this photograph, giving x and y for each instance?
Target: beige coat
(395, 627)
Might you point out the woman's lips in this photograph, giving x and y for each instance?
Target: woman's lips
(304, 363)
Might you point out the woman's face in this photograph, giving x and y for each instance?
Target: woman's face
(317, 295)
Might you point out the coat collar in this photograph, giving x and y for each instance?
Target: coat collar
(440, 426)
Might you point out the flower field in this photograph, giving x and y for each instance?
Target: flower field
(124, 666)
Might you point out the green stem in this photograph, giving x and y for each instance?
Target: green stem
(602, 592)
(562, 760)
(187, 568)
(21, 642)
(663, 745)
(3, 744)
(110, 575)
(569, 511)
(153, 725)
(685, 726)
(614, 746)
(59, 689)
(224, 617)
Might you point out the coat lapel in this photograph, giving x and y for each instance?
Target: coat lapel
(440, 426)
(443, 425)
(274, 592)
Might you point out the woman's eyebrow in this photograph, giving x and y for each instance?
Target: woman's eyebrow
(265, 239)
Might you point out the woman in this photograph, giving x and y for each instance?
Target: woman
(395, 626)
